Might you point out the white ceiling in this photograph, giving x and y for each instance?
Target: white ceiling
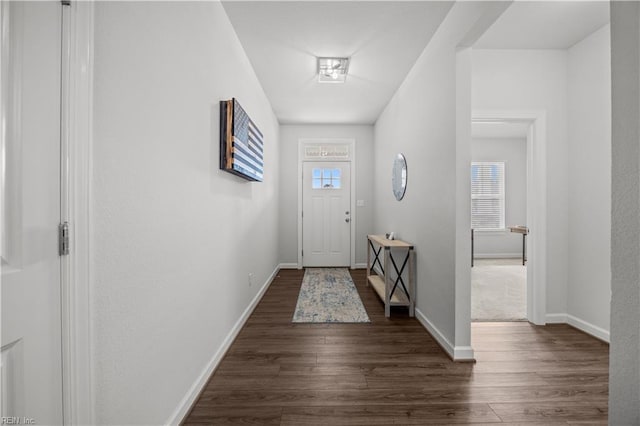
(382, 38)
(545, 24)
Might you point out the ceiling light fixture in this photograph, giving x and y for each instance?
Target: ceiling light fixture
(332, 70)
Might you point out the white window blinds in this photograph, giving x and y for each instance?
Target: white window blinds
(487, 195)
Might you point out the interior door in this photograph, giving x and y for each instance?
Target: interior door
(326, 214)
(31, 370)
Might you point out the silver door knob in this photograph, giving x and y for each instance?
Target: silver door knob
(347, 220)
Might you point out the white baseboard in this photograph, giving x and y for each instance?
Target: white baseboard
(295, 266)
(463, 353)
(593, 330)
(288, 266)
(459, 353)
(192, 394)
(498, 256)
(556, 319)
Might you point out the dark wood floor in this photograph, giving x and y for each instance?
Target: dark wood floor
(391, 371)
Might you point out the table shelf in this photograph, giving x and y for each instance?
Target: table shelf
(392, 291)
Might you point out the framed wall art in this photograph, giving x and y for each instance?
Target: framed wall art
(241, 142)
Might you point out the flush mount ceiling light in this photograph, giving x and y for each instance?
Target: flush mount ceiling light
(332, 70)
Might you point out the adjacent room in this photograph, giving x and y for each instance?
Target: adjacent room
(498, 218)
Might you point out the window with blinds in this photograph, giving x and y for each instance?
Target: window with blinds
(487, 195)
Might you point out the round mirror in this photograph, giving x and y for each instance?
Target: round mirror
(399, 176)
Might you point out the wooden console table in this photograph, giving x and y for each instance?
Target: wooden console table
(521, 229)
(392, 291)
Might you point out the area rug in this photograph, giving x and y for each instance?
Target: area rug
(498, 293)
(329, 295)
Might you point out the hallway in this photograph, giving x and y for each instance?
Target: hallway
(392, 372)
(163, 264)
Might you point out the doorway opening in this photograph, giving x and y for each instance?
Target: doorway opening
(508, 216)
(498, 221)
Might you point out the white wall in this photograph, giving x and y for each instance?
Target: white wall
(535, 80)
(420, 122)
(289, 137)
(589, 80)
(624, 360)
(514, 154)
(174, 238)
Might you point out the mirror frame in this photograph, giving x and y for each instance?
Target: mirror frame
(398, 184)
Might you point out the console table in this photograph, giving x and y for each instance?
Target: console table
(521, 229)
(392, 291)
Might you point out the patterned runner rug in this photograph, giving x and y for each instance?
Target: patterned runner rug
(329, 295)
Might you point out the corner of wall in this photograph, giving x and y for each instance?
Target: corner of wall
(579, 323)
(456, 353)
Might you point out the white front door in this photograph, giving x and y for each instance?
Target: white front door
(31, 370)
(326, 214)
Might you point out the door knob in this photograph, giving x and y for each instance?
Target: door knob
(347, 220)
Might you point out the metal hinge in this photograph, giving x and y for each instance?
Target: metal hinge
(66, 2)
(302, 253)
(63, 239)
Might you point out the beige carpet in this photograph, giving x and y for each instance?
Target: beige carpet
(498, 291)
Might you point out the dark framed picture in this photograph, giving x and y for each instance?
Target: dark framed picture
(241, 142)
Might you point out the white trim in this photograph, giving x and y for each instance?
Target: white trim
(299, 178)
(302, 142)
(491, 231)
(288, 266)
(463, 353)
(360, 266)
(194, 391)
(592, 330)
(78, 396)
(556, 318)
(457, 353)
(66, 298)
(536, 204)
(462, 254)
(498, 256)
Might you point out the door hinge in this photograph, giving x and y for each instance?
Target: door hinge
(66, 2)
(63, 239)
(302, 253)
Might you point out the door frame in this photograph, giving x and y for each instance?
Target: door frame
(304, 143)
(536, 203)
(77, 29)
(76, 145)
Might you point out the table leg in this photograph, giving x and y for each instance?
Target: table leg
(472, 247)
(412, 284)
(368, 262)
(387, 284)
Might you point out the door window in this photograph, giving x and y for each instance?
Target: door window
(326, 178)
